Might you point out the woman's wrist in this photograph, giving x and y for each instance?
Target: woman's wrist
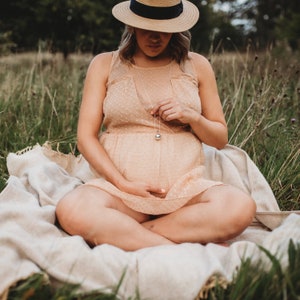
(120, 182)
(195, 119)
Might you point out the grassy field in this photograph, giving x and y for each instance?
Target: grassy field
(39, 100)
(40, 96)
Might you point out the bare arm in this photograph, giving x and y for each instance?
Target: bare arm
(91, 116)
(90, 122)
(210, 125)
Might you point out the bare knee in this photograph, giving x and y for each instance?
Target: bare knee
(68, 211)
(233, 209)
(75, 210)
(79, 212)
(242, 211)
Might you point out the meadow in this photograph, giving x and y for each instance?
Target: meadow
(40, 95)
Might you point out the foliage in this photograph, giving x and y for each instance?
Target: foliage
(261, 102)
(65, 26)
(87, 26)
(6, 44)
(254, 281)
(40, 97)
(288, 28)
(39, 287)
(39, 100)
(272, 21)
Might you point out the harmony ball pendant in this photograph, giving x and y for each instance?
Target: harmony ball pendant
(158, 136)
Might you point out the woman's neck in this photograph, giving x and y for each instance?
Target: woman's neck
(142, 60)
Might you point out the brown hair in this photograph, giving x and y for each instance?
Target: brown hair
(178, 47)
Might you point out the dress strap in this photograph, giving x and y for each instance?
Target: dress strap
(188, 67)
(118, 69)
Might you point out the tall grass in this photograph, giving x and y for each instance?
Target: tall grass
(40, 96)
(261, 99)
(254, 281)
(39, 100)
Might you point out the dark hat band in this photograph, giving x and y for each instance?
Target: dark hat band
(158, 13)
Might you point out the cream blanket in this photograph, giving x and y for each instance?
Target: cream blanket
(30, 242)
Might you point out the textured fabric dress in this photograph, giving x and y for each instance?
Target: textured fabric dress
(173, 160)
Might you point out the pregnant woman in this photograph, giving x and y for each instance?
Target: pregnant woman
(146, 110)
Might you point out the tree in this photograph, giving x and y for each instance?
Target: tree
(64, 25)
(87, 25)
(288, 24)
(18, 19)
(214, 30)
(270, 20)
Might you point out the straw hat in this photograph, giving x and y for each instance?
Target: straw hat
(157, 15)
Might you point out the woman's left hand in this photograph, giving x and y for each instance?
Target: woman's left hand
(171, 110)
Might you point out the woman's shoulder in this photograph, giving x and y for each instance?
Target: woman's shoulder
(201, 64)
(102, 59)
(199, 60)
(100, 65)
(109, 64)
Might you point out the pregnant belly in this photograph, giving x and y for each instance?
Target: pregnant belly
(139, 157)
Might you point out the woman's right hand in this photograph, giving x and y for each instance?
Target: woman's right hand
(141, 189)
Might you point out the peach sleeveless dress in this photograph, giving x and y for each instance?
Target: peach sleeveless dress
(175, 162)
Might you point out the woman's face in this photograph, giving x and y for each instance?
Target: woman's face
(152, 43)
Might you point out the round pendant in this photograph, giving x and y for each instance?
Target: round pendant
(158, 136)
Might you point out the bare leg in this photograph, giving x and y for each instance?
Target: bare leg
(100, 218)
(222, 213)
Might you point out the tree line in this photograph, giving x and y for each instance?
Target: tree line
(87, 25)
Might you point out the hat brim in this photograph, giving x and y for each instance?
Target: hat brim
(186, 20)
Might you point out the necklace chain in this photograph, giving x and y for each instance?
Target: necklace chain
(157, 135)
(156, 117)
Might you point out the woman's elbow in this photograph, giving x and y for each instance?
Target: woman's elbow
(85, 140)
(79, 146)
(222, 145)
(222, 142)
(81, 142)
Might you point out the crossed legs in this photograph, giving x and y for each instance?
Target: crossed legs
(218, 214)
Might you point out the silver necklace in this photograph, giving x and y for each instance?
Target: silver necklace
(157, 135)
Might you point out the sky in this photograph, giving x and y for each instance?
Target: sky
(247, 25)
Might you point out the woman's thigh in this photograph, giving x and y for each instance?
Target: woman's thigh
(90, 202)
(218, 214)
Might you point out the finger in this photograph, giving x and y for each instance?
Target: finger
(171, 117)
(159, 105)
(169, 114)
(156, 190)
(160, 110)
(154, 110)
